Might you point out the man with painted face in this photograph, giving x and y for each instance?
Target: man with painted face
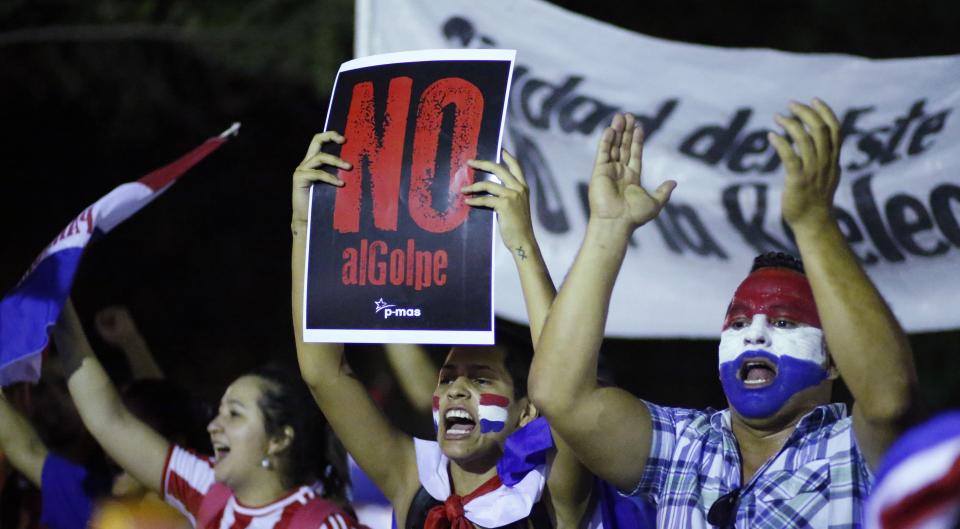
(782, 455)
(772, 346)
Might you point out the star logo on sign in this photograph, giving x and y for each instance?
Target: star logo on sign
(381, 304)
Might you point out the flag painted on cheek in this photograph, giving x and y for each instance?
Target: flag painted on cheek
(436, 413)
(493, 412)
(35, 303)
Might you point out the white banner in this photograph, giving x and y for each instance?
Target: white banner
(706, 112)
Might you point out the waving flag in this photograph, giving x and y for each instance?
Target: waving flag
(35, 303)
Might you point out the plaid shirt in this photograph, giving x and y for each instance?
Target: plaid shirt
(818, 479)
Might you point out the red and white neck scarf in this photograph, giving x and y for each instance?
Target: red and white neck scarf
(493, 504)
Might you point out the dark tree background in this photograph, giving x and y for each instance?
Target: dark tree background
(96, 93)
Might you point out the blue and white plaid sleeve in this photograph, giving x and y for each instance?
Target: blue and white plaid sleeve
(663, 442)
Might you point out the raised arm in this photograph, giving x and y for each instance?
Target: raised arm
(415, 372)
(569, 484)
(607, 428)
(866, 342)
(381, 450)
(117, 327)
(20, 442)
(511, 201)
(134, 446)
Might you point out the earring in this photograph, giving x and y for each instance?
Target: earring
(265, 463)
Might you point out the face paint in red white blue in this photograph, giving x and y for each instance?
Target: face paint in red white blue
(772, 345)
(492, 412)
(776, 292)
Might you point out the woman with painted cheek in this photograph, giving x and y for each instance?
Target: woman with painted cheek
(269, 443)
(462, 480)
(475, 409)
(772, 346)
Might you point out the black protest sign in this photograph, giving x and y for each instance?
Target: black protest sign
(396, 255)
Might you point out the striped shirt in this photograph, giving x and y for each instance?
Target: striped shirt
(187, 477)
(818, 479)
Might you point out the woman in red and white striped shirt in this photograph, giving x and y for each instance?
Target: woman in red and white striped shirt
(270, 448)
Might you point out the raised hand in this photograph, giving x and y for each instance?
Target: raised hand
(307, 173)
(812, 163)
(116, 326)
(615, 188)
(866, 342)
(511, 201)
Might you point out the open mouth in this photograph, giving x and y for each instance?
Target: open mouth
(458, 423)
(220, 452)
(757, 372)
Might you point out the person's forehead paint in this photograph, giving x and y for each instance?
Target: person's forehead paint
(776, 292)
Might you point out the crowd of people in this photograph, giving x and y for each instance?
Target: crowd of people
(524, 438)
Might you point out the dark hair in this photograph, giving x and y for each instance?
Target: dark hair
(517, 361)
(314, 453)
(166, 407)
(777, 260)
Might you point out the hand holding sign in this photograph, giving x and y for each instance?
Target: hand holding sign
(394, 254)
(308, 172)
(511, 201)
(615, 189)
(812, 177)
